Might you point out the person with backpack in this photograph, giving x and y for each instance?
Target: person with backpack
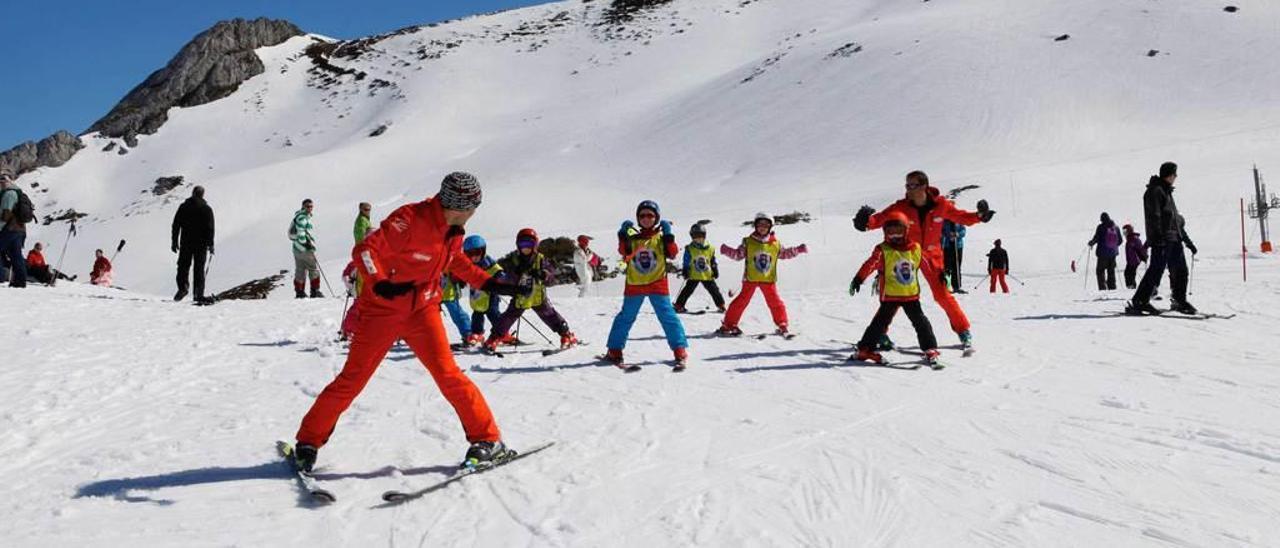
(998, 267)
(1135, 253)
(192, 240)
(953, 253)
(1108, 239)
(1166, 235)
(304, 252)
(16, 211)
(699, 269)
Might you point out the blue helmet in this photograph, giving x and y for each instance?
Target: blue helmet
(651, 206)
(473, 242)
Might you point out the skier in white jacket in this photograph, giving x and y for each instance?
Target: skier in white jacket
(582, 264)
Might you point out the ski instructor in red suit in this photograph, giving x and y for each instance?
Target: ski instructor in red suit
(402, 264)
(925, 206)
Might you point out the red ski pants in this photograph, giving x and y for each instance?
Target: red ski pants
(739, 305)
(997, 274)
(942, 295)
(423, 330)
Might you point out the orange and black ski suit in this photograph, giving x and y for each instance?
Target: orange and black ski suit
(926, 230)
(414, 244)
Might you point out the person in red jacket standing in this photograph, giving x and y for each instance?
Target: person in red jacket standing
(402, 264)
(927, 210)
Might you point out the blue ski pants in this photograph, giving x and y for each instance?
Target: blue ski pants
(460, 319)
(666, 313)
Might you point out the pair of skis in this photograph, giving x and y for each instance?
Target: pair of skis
(311, 486)
(910, 365)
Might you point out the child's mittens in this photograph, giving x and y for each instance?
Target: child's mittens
(855, 286)
(802, 249)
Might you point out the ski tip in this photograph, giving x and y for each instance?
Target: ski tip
(394, 496)
(629, 368)
(322, 496)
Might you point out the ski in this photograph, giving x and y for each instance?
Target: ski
(306, 481)
(679, 365)
(395, 497)
(554, 351)
(620, 365)
(786, 336)
(1179, 316)
(905, 366)
(693, 312)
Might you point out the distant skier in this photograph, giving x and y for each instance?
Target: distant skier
(1166, 234)
(1135, 253)
(761, 250)
(998, 267)
(363, 223)
(925, 205)
(192, 239)
(304, 252)
(584, 264)
(40, 271)
(953, 253)
(403, 262)
(898, 262)
(1108, 239)
(699, 268)
(529, 268)
(101, 273)
(645, 250)
(484, 304)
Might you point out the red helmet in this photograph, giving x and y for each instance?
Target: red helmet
(583, 240)
(895, 218)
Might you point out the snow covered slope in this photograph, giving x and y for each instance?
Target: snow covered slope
(129, 420)
(716, 108)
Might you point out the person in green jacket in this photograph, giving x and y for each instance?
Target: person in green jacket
(304, 252)
(363, 224)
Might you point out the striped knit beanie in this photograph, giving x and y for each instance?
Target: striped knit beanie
(460, 191)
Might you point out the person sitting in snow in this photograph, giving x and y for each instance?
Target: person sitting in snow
(700, 268)
(40, 271)
(899, 262)
(762, 251)
(529, 268)
(101, 274)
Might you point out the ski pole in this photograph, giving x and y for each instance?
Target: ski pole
(1015, 278)
(1087, 262)
(535, 329)
(207, 264)
(70, 232)
(1191, 277)
(984, 278)
(117, 252)
(325, 278)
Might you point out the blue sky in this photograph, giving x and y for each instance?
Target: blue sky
(64, 64)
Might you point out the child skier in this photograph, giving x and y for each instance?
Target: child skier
(998, 267)
(646, 250)
(529, 268)
(898, 261)
(762, 251)
(700, 268)
(450, 289)
(483, 303)
(1135, 253)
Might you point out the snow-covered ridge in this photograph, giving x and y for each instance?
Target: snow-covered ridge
(717, 109)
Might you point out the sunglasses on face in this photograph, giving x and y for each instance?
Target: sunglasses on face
(646, 216)
(913, 186)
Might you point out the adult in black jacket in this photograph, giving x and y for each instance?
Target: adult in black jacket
(192, 240)
(1166, 234)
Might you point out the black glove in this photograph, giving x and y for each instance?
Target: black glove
(211, 249)
(1192, 247)
(855, 286)
(984, 211)
(309, 246)
(500, 285)
(174, 247)
(864, 216)
(388, 289)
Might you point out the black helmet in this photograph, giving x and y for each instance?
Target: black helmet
(697, 230)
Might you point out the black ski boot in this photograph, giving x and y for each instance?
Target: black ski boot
(483, 454)
(181, 294)
(299, 294)
(1141, 309)
(316, 294)
(304, 457)
(1183, 307)
(885, 343)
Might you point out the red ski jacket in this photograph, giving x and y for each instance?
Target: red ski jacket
(35, 259)
(414, 244)
(926, 223)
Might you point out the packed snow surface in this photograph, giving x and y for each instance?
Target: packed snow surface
(131, 420)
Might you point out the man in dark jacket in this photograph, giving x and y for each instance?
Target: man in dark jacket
(998, 267)
(1108, 239)
(192, 239)
(1166, 234)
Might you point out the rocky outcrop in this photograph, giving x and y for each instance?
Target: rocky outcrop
(52, 151)
(621, 11)
(210, 67)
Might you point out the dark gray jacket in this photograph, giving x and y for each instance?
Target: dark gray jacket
(1165, 226)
